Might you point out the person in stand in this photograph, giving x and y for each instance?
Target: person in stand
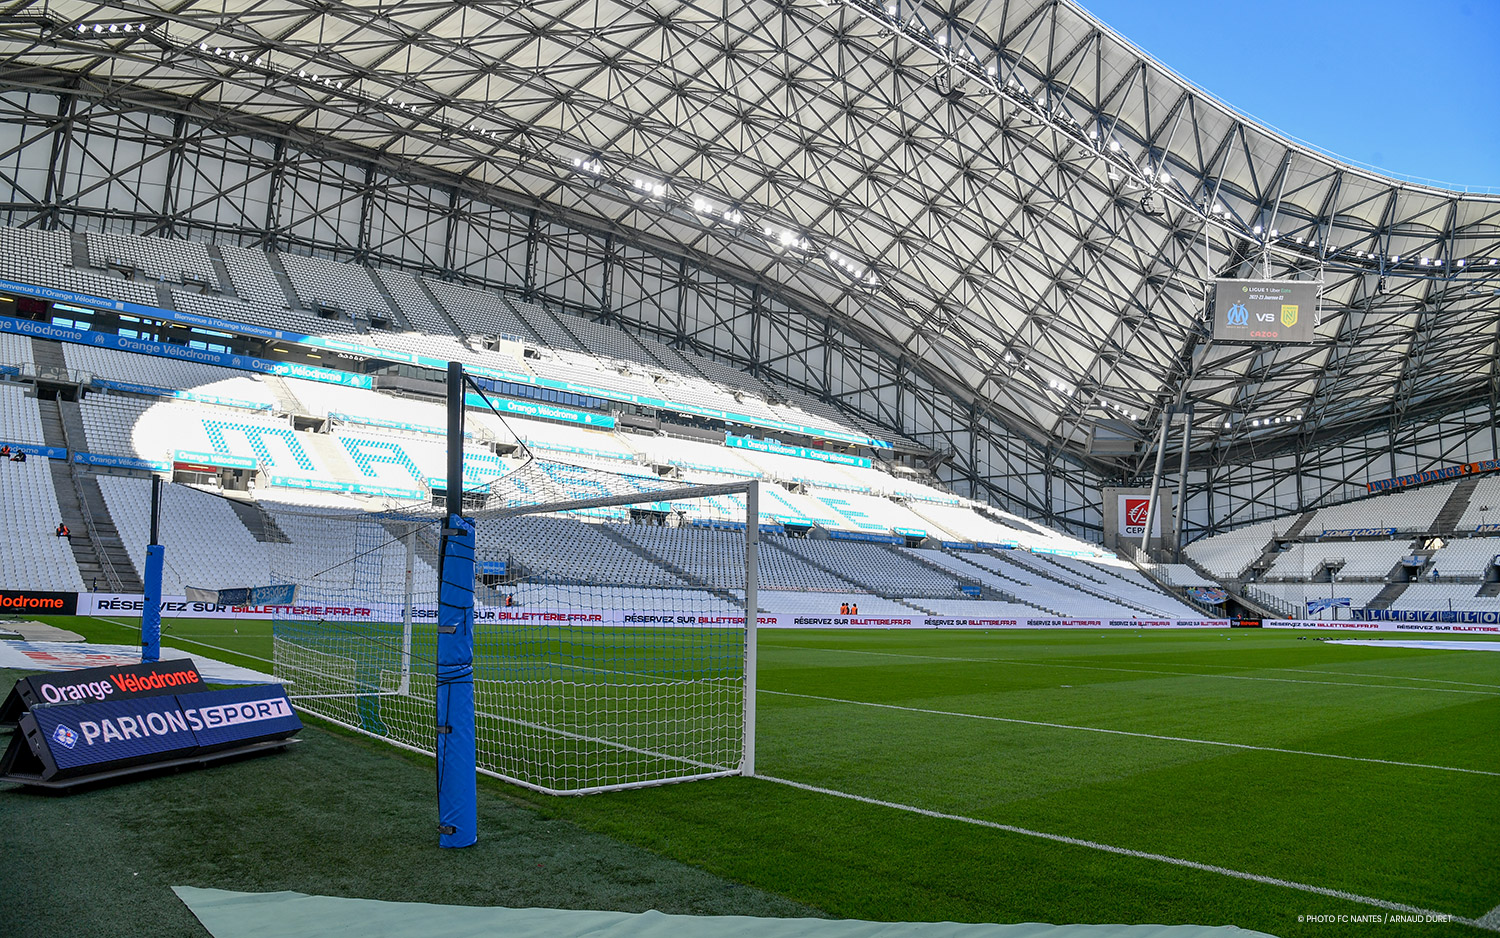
(5, 450)
(854, 609)
(62, 531)
(843, 609)
(20, 456)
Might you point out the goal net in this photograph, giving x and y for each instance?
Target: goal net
(610, 641)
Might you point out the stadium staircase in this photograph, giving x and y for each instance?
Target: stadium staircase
(1172, 589)
(261, 525)
(564, 327)
(1454, 508)
(442, 310)
(1267, 556)
(101, 555)
(1490, 589)
(1297, 526)
(394, 311)
(221, 272)
(69, 508)
(985, 590)
(80, 246)
(164, 297)
(326, 450)
(50, 364)
(626, 543)
(1385, 597)
(285, 399)
(1072, 584)
(854, 587)
(113, 555)
(1009, 597)
(284, 281)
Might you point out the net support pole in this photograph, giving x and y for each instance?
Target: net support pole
(411, 564)
(752, 619)
(151, 587)
(458, 794)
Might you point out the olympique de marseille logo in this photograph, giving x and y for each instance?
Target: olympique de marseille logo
(65, 737)
(1238, 315)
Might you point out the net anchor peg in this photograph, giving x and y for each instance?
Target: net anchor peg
(441, 729)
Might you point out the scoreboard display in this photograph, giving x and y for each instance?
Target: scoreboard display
(1255, 311)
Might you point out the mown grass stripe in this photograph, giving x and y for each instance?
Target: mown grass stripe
(1096, 729)
(1096, 667)
(1485, 923)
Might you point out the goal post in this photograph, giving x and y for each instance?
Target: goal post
(612, 647)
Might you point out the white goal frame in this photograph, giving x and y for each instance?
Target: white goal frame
(410, 668)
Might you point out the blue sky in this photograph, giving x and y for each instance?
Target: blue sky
(1409, 87)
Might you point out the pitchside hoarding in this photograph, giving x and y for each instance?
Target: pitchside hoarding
(153, 679)
(117, 603)
(1255, 311)
(1357, 626)
(38, 602)
(79, 740)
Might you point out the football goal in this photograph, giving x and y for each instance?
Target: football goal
(611, 645)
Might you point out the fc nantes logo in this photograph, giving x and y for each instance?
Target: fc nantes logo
(1289, 315)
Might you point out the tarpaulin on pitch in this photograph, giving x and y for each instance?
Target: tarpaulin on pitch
(293, 915)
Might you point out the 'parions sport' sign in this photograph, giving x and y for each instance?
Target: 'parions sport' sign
(1254, 311)
(102, 735)
(153, 679)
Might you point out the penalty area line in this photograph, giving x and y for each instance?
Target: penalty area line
(1484, 923)
(1096, 729)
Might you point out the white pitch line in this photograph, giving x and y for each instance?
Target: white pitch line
(1390, 677)
(1491, 919)
(1226, 677)
(179, 638)
(1484, 923)
(1095, 729)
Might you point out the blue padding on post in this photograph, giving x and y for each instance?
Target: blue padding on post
(151, 607)
(458, 795)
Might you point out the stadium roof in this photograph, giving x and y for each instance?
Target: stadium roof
(1004, 194)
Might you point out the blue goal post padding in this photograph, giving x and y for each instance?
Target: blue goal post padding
(458, 794)
(151, 605)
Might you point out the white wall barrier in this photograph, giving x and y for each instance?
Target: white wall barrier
(175, 607)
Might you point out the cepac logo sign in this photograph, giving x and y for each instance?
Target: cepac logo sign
(1237, 315)
(1135, 515)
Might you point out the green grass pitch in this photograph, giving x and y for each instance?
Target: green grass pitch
(1371, 771)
